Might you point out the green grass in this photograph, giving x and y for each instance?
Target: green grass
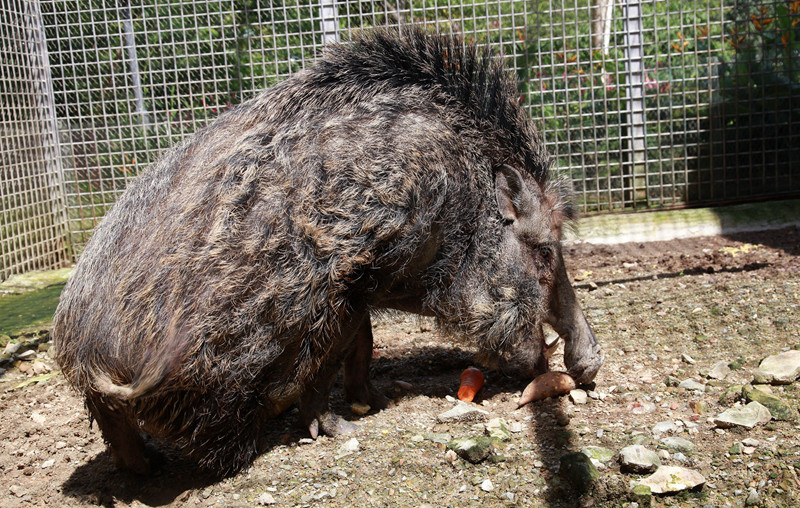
(28, 311)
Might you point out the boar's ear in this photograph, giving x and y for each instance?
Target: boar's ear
(513, 197)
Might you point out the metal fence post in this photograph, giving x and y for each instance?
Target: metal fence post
(330, 21)
(636, 183)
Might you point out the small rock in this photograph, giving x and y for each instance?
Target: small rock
(40, 368)
(638, 459)
(688, 359)
(48, 463)
(439, 438)
(38, 417)
(515, 427)
(11, 348)
(351, 445)
(451, 456)
(731, 394)
(680, 457)
(578, 469)
(735, 449)
(751, 442)
(598, 453)
(472, 449)
(677, 444)
(486, 485)
(578, 396)
(698, 407)
(642, 494)
(496, 428)
(782, 368)
(663, 454)
(669, 479)
(61, 445)
(719, 371)
(745, 416)
(27, 355)
(463, 412)
(691, 384)
(667, 427)
(265, 499)
(359, 409)
(779, 409)
(642, 408)
(752, 498)
(18, 490)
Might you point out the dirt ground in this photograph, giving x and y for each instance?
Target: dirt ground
(732, 299)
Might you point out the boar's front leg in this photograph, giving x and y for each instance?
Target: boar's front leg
(357, 386)
(315, 413)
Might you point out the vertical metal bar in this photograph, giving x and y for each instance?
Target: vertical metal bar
(330, 21)
(635, 110)
(133, 62)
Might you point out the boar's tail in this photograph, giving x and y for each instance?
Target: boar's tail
(158, 366)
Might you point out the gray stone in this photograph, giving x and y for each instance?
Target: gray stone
(779, 409)
(440, 438)
(463, 412)
(638, 459)
(676, 444)
(578, 469)
(265, 499)
(487, 486)
(472, 449)
(691, 384)
(782, 368)
(28, 355)
(719, 370)
(11, 348)
(496, 428)
(668, 479)
(578, 396)
(667, 427)
(744, 416)
(752, 498)
(598, 453)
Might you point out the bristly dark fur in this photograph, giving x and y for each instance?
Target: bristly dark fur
(230, 278)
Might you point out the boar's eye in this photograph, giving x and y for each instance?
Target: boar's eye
(546, 252)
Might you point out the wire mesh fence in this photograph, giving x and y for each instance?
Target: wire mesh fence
(644, 103)
(32, 210)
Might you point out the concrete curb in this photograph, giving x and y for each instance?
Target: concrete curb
(688, 223)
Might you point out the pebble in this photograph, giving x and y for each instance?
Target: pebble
(598, 453)
(691, 384)
(719, 371)
(463, 412)
(667, 427)
(265, 499)
(669, 479)
(688, 359)
(578, 396)
(486, 485)
(638, 459)
(677, 444)
(12, 348)
(782, 368)
(472, 449)
(779, 409)
(752, 498)
(515, 427)
(498, 429)
(27, 355)
(18, 490)
(744, 416)
(351, 445)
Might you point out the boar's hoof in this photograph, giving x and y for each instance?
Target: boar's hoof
(330, 424)
(367, 395)
(584, 371)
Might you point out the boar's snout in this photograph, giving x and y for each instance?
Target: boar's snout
(583, 355)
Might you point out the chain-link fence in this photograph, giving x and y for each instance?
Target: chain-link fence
(645, 103)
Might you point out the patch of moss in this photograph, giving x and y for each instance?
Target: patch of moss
(28, 311)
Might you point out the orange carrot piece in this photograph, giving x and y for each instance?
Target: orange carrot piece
(471, 382)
